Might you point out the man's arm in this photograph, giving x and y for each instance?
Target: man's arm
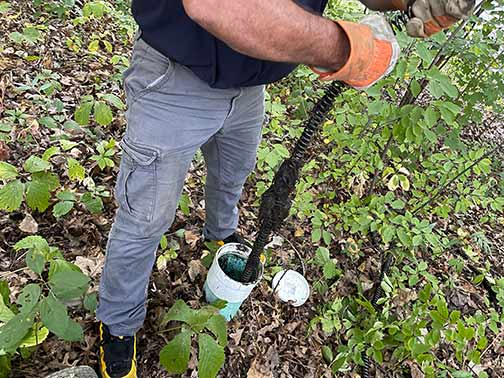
(277, 30)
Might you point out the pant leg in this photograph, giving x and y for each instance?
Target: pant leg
(171, 113)
(230, 156)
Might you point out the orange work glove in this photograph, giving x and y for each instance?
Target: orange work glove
(432, 16)
(373, 53)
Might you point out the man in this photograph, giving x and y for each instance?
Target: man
(196, 81)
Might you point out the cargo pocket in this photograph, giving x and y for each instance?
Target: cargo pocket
(137, 181)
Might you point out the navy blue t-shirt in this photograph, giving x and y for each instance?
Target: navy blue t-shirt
(167, 28)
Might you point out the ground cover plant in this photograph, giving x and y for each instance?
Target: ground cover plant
(408, 172)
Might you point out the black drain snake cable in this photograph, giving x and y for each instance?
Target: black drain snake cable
(377, 294)
(277, 200)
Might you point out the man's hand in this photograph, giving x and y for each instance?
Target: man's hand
(373, 53)
(432, 16)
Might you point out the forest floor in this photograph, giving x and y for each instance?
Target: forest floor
(268, 335)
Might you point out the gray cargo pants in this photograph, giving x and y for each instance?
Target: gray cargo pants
(171, 114)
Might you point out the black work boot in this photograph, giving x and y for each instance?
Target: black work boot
(117, 355)
(233, 238)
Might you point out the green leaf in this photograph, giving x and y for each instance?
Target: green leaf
(435, 89)
(93, 204)
(393, 183)
(415, 88)
(83, 113)
(7, 171)
(37, 195)
(62, 208)
(13, 332)
(66, 195)
(5, 128)
(91, 302)
(48, 122)
(35, 336)
(387, 233)
(5, 361)
(50, 179)
(102, 113)
(69, 284)
(431, 116)
(54, 315)
(114, 101)
(163, 243)
(218, 326)
(327, 353)
(449, 88)
(403, 237)
(67, 144)
(424, 53)
(11, 195)
(184, 204)
(16, 37)
(418, 348)
(331, 270)
(378, 356)
(431, 136)
(454, 316)
(94, 46)
(316, 235)
(4, 8)
(376, 107)
(5, 312)
(338, 364)
(417, 240)
(210, 356)
(76, 171)
(94, 8)
(31, 34)
(322, 256)
(50, 152)
(442, 308)
(180, 311)
(28, 298)
(398, 204)
(35, 260)
(5, 291)
(175, 355)
(59, 265)
(405, 184)
(35, 164)
(35, 242)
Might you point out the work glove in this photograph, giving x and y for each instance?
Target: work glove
(373, 53)
(432, 16)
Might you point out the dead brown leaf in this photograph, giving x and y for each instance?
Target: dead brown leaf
(258, 371)
(416, 372)
(236, 336)
(191, 238)
(196, 269)
(28, 225)
(4, 151)
(91, 267)
(299, 232)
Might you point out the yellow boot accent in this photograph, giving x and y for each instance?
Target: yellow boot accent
(103, 366)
